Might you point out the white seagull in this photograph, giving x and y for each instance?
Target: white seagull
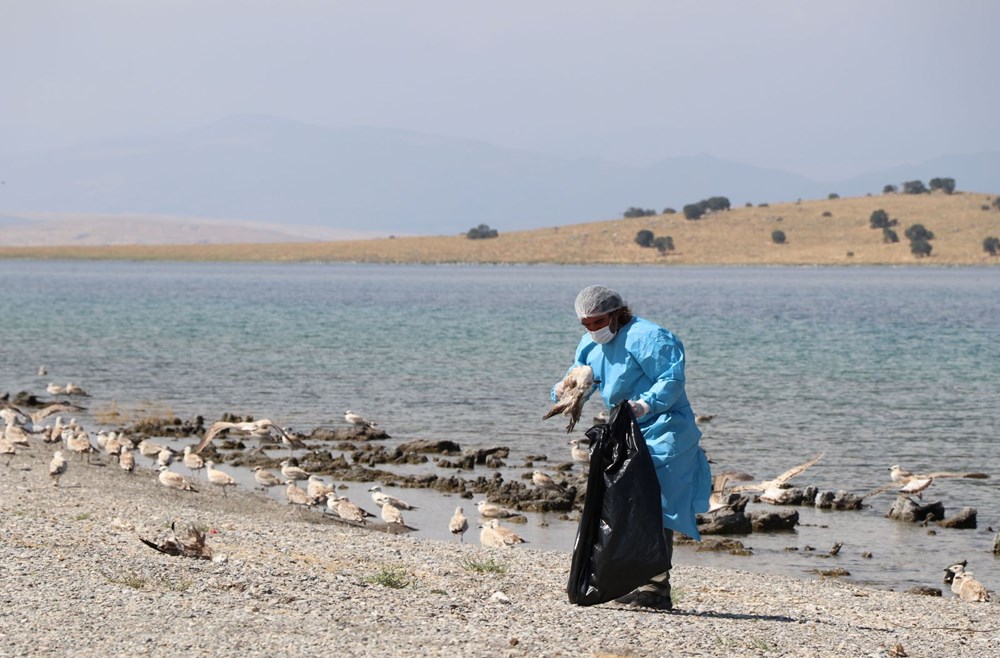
(357, 420)
(380, 498)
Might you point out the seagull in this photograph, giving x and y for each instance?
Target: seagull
(42, 371)
(293, 472)
(149, 449)
(780, 481)
(458, 524)
(217, 477)
(80, 442)
(173, 480)
(495, 535)
(964, 585)
(493, 510)
(57, 467)
(317, 489)
(719, 497)
(265, 478)
(579, 453)
(345, 509)
(357, 420)
(192, 461)
(297, 495)
(55, 389)
(258, 428)
(911, 483)
(380, 499)
(576, 386)
(7, 449)
(543, 481)
(126, 460)
(391, 514)
(165, 457)
(73, 389)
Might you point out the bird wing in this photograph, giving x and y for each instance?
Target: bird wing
(796, 470)
(781, 479)
(879, 489)
(949, 474)
(288, 437)
(213, 431)
(56, 408)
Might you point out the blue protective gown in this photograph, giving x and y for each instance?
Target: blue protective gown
(646, 362)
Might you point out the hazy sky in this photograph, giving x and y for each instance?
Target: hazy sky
(824, 89)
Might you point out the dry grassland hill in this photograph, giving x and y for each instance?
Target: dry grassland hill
(823, 232)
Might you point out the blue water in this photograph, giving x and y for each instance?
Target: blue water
(876, 366)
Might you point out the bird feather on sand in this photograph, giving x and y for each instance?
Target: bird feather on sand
(576, 386)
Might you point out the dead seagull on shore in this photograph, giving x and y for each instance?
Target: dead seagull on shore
(572, 392)
(908, 483)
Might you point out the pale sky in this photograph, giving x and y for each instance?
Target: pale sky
(823, 89)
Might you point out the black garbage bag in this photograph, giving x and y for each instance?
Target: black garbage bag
(619, 543)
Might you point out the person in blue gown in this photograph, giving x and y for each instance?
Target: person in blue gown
(639, 361)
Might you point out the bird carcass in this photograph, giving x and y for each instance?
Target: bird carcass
(575, 388)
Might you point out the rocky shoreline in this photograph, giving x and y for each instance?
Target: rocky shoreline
(285, 581)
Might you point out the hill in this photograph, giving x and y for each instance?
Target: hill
(268, 169)
(741, 236)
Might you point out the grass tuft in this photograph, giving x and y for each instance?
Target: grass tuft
(484, 566)
(394, 577)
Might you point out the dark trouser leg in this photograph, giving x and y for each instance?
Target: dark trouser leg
(660, 584)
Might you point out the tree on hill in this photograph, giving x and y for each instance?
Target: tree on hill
(889, 236)
(693, 211)
(991, 245)
(880, 219)
(639, 212)
(669, 211)
(946, 185)
(716, 203)
(996, 203)
(644, 238)
(832, 195)
(889, 189)
(917, 232)
(920, 248)
(914, 187)
(664, 243)
(481, 232)
(778, 237)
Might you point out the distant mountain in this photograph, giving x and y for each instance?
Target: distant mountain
(281, 172)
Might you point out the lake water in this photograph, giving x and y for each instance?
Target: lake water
(874, 366)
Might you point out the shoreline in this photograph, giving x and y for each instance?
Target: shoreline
(78, 581)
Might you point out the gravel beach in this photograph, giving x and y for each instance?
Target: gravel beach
(284, 581)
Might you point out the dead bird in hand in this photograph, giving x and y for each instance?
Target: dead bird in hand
(572, 392)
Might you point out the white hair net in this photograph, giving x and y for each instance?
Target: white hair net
(597, 300)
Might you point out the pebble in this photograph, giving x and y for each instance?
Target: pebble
(284, 584)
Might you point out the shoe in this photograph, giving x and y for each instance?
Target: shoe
(642, 599)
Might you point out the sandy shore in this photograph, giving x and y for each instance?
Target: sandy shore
(77, 581)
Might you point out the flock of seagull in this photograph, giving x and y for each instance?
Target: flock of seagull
(75, 441)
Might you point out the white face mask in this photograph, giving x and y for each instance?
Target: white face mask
(602, 335)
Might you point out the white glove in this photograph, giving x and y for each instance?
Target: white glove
(558, 389)
(639, 408)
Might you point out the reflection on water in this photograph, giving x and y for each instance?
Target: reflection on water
(874, 366)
